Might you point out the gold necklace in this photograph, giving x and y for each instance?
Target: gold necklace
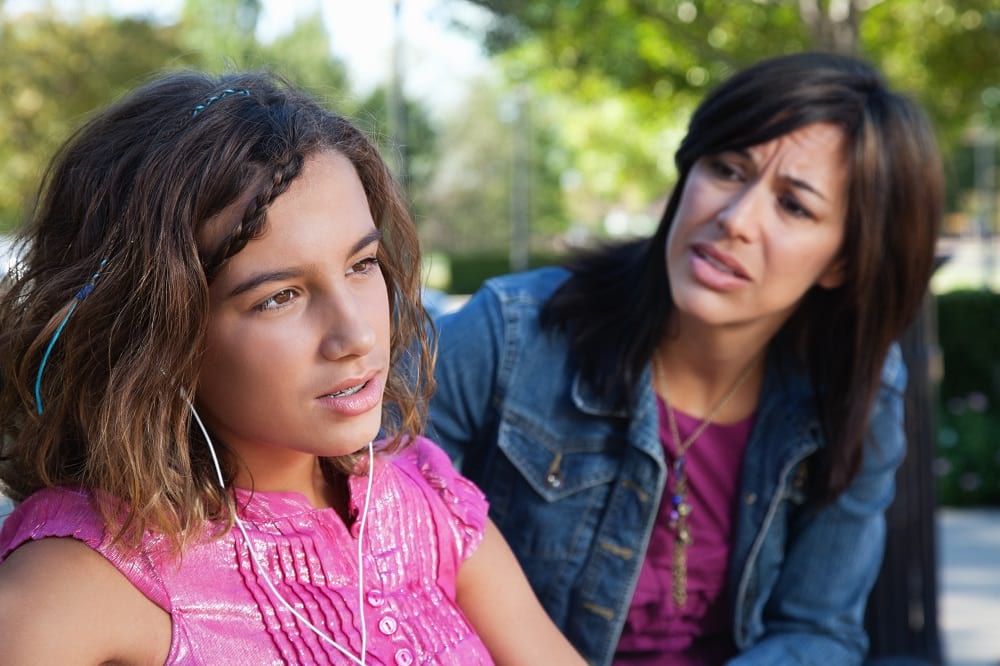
(681, 508)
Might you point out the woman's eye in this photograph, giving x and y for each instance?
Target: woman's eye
(794, 207)
(279, 300)
(366, 265)
(724, 169)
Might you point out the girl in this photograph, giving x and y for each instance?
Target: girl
(702, 427)
(198, 348)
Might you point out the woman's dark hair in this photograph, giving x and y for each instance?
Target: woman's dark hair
(136, 186)
(894, 200)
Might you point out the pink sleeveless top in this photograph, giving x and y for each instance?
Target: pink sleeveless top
(423, 521)
(699, 634)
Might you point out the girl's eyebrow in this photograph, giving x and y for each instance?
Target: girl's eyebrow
(255, 281)
(372, 236)
(258, 279)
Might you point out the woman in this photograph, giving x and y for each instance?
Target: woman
(689, 440)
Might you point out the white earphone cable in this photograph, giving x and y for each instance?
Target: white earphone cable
(267, 579)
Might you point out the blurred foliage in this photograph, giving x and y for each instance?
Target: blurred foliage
(220, 31)
(468, 200)
(592, 100)
(57, 69)
(53, 73)
(968, 462)
(416, 147)
(632, 70)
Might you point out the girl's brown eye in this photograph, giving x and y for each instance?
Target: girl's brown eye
(280, 299)
(366, 265)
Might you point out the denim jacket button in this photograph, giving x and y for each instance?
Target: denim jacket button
(750, 498)
(554, 480)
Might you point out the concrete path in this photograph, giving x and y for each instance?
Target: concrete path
(969, 584)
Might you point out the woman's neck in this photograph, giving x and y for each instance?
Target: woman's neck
(698, 365)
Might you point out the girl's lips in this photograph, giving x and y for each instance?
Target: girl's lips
(355, 403)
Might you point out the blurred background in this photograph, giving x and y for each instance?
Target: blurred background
(524, 128)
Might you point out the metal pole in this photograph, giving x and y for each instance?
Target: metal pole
(397, 104)
(985, 149)
(520, 191)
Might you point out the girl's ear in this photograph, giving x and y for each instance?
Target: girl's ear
(833, 276)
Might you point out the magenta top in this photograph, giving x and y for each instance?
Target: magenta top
(424, 520)
(700, 633)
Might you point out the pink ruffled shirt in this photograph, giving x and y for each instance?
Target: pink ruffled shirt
(424, 520)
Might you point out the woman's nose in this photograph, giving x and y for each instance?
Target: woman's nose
(740, 216)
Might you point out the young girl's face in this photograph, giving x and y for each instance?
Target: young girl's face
(757, 228)
(297, 349)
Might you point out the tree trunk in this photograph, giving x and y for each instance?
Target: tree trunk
(834, 24)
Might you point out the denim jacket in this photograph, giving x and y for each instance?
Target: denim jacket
(574, 485)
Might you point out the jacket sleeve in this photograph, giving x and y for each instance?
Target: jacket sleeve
(469, 348)
(815, 614)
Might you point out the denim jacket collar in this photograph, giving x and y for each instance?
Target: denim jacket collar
(640, 409)
(589, 401)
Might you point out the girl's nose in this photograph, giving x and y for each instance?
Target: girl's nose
(348, 330)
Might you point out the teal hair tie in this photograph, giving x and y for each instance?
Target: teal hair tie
(215, 98)
(81, 294)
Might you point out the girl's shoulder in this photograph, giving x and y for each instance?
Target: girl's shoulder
(428, 466)
(432, 465)
(61, 599)
(72, 514)
(52, 512)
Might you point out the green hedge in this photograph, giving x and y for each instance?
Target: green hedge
(968, 444)
(470, 270)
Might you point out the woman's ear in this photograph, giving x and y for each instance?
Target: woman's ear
(833, 276)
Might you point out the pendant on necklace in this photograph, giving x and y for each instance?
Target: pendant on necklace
(682, 534)
(679, 571)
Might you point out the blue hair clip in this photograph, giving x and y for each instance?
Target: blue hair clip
(81, 294)
(214, 98)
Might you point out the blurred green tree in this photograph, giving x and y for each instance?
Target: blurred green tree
(630, 71)
(53, 72)
(221, 32)
(56, 69)
(467, 206)
(418, 143)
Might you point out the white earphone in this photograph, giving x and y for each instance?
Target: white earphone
(267, 580)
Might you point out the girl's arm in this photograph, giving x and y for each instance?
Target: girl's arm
(63, 603)
(494, 594)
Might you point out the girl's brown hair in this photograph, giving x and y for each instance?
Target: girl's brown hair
(135, 186)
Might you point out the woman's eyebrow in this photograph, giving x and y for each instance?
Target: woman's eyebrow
(803, 185)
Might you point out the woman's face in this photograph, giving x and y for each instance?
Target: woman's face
(757, 228)
(297, 348)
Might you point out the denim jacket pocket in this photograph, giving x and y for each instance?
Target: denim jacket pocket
(549, 493)
(557, 466)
